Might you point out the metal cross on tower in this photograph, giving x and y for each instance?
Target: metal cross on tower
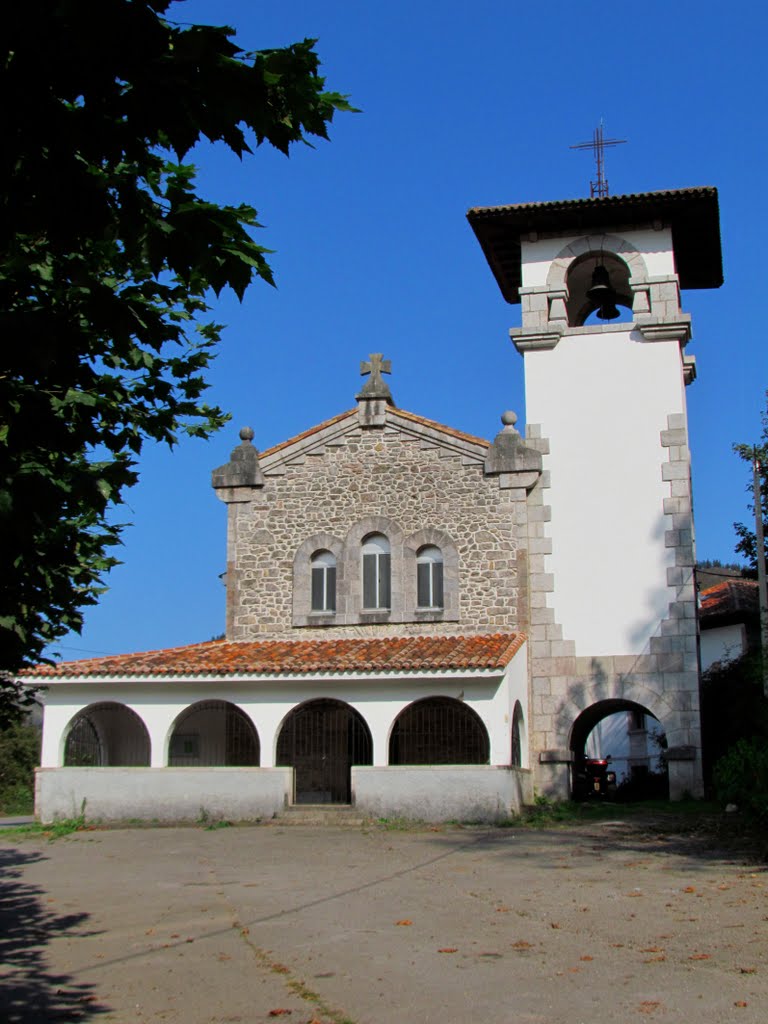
(599, 188)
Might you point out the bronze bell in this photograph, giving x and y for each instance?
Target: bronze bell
(601, 295)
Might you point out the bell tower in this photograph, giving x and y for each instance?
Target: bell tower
(610, 530)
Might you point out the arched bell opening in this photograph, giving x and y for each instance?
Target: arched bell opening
(213, 734)
(598, 289)
(106, 735)
(622, 739)
(321, 740)
(438, 730)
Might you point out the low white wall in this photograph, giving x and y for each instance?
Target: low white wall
(441, 792)
(163, 794)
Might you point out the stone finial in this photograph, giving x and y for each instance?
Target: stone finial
(375, 387)
(509, 453)
(235, 479)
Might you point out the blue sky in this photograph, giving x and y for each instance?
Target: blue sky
(462, 105)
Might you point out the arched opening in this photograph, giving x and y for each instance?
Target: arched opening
(377, 572)
(429, 577)
(323, 567)
(107, 735)
(622, 738)
(213, 734)
(582, 308)
(438, 730)
(321, 740)
(518, 736)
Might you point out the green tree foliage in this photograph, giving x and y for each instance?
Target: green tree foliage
(733, 708)
(19, 753)
(746, 544)
(107, 255)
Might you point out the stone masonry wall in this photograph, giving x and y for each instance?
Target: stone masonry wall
(663, 678)
(374, 473)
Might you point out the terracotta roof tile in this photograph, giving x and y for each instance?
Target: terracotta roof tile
(441, 427)
(735, 597)
(412, 417)
(301, 657)
(308, 433)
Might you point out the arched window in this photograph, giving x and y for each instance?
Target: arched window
(323, 565)
(377, 590)
(438, 730)
(429, 577)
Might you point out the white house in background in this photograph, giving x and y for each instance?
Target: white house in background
(729, 620)
(422, 622)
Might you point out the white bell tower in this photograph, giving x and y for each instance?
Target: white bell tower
(603, 336)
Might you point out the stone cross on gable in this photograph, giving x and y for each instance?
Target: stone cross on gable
(377, 365)
(373, 368)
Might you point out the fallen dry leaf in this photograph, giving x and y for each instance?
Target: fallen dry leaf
(553, 924)
(279, 968)
(748, 970)
(652, 949)
(741, 1002)
(700, 956)
(586, 958)
(689, 888)
(522, 944)
(655, 960)
(448, 949)
(503, 910)
(279, 1012)
(404, 922)
(648, 1006)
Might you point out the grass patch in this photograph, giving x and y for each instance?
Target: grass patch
(547, 813)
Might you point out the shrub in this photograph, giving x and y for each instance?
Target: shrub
(19, 754)
(741, 777)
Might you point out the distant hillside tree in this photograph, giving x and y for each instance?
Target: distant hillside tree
(745, 532)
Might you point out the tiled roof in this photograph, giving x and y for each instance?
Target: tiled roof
(394, 412)
(451, 431)
(308, 433)
(301, 657)
(736, 598)
(691, 213)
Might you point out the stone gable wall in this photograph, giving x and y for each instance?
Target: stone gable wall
(367, 474)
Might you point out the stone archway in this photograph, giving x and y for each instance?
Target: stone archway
(321, 740)
(631, 737)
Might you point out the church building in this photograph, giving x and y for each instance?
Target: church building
(428, 624)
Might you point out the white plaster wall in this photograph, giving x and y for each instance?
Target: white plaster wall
(725, 643)
(442, 792)
(167, 794)
(602, 400)
(655, 246)
(379, 701)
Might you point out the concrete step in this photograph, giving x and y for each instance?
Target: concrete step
(321, 814)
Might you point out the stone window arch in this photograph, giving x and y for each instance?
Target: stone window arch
(360, 535)
(323, 572)
(419, 543)
(305, 561)
(377, 572)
